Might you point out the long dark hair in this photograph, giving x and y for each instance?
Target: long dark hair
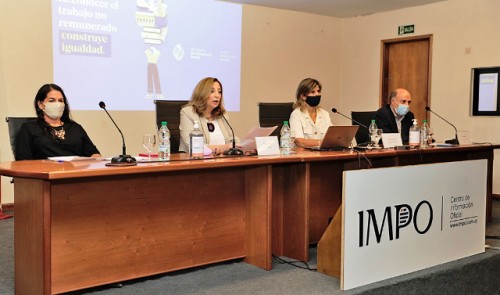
(40, 97)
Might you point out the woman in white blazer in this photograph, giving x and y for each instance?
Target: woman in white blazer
(207, 107)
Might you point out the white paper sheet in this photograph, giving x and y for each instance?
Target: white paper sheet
(71, 158)
(248, 142)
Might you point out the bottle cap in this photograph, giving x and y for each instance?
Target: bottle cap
(164, 123)
(373, 121)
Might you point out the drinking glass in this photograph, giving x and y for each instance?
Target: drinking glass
(430, 136)
(148, 142)
(375, 137)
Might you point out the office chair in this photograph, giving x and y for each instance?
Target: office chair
(169, 110)
(364, 118)
(273, 114)
(14, 124)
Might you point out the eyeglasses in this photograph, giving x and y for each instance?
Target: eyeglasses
(210, 126)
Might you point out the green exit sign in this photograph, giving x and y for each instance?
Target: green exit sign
(409, 29)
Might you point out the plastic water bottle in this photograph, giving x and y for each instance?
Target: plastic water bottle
(414, 139)
(285, 139)
(372, 131)
(163, 142)
(424, 135)
(196, 142)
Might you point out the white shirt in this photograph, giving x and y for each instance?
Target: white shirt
(398, 119)
(302, 126)
(216, 137)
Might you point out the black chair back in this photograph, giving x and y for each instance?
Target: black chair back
(364, 118)
(169, 110)
(14, 124)
(273, 114)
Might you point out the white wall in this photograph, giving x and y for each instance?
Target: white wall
(455, 26)
(25, 64)
(279, 49)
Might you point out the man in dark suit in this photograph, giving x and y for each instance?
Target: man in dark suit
(395, 117)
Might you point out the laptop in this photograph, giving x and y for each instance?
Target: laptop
(337, 138)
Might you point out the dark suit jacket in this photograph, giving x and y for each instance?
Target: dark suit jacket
(385, 120)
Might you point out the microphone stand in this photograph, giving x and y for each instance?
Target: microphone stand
(122, 159)
(232, 151)
(450, 141)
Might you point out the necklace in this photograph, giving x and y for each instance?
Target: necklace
(59, 132)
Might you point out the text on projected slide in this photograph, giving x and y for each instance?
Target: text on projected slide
(133, 52)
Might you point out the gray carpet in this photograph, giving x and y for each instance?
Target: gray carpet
(479, 274)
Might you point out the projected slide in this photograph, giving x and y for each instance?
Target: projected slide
(129, 53)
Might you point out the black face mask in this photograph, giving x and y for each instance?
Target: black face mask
(313, 100)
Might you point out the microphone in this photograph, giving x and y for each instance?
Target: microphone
(232, 151)
(450, 141)
(351, 119)
(122, 159)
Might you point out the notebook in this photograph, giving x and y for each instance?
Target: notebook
(337, 137)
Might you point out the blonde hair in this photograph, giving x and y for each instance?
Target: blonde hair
(305, 87)
(200, 96)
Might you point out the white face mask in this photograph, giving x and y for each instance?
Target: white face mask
(54, 109)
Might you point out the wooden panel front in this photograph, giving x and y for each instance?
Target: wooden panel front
(258, 186)
(114, 229)
(330, 247)
(325, 196)
(31, 227)
(278, 192)
(290, 211)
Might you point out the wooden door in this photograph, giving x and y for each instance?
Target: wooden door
(406, 63)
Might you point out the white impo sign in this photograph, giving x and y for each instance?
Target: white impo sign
(403, 219)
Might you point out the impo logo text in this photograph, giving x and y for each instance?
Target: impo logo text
(404, 215)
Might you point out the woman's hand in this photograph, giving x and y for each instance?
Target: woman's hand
(219, 149)
(303, 142)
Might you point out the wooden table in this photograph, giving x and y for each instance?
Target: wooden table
(83, 224)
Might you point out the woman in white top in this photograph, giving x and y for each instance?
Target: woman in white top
(207, 107)
(308, 121)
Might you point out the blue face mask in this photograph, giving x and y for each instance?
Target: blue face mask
(402, 109)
